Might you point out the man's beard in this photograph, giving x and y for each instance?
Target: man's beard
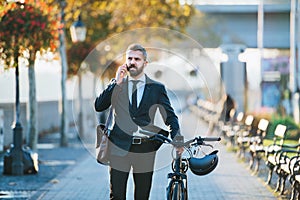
(135, 72)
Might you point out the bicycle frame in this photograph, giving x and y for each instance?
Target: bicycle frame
(177, 187)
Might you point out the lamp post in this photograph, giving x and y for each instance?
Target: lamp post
(78, 34)
(13, 164)
(16, 151)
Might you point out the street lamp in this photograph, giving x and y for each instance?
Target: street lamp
(17, 160)
(13, 163)
(78, 31)
(78, 34)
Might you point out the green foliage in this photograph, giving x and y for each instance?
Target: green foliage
(292, 127)
(140, 13)
(105, 18)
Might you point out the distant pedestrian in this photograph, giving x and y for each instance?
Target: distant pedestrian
(228, 108)
(135, 98)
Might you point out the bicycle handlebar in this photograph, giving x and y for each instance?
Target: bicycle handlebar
(211, 139)
(156, 136)
(195, 141)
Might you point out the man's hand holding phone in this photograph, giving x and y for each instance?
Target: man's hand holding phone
(121, 73)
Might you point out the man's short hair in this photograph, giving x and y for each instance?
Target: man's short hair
(138, 47)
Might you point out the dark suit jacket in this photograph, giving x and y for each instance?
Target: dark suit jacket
(126, 121)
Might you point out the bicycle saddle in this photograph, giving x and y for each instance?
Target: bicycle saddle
(204, 165)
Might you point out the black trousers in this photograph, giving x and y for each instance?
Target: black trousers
(141, 165)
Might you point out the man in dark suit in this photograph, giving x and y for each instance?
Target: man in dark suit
(134, 98)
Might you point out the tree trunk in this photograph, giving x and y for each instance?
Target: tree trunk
(64, 118)
(80, 115)
(32, 114)
(64, 68)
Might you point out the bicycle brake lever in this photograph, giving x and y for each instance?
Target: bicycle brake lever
(209, 145)
(202, 143)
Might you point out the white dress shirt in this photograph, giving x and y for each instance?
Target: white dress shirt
(140, 88)
(140, 91)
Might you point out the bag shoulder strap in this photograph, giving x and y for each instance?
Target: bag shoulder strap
(109, 118)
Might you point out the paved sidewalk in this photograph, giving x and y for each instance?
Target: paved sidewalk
(230, 180)
(52, 161)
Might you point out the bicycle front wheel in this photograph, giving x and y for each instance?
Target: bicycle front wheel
(176, 191)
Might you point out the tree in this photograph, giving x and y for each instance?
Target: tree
(105, 18)
(168, 14)
(24, 31)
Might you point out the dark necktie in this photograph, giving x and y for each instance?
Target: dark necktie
(134, 95)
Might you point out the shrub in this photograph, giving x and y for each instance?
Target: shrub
(292, 127)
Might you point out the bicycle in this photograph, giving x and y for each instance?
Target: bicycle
(177, 186)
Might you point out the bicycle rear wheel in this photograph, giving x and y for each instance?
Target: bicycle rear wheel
(176, 191)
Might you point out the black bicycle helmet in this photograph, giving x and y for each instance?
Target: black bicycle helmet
(204, 165)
